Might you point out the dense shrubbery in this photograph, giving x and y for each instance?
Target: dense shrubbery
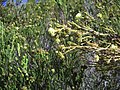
(60, 46)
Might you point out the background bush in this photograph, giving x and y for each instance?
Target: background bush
(60, 45)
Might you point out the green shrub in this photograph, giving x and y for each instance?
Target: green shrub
(60, 45)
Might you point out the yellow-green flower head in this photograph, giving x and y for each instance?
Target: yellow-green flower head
(99, 15)
(24, 88)
(78, 15)
(57, 40)
(53, 70)
(51, 31)
(114, 47)
(96, 58)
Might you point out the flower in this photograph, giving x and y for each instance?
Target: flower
(53, 70)
(96, 58)
(99, 15)
(51, 31)
(79, 15)
(57, 40)
(114, 47)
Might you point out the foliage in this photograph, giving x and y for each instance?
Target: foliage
(60, 44)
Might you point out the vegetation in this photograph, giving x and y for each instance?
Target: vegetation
(60, 45)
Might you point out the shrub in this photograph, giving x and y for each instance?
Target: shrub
(60, 45)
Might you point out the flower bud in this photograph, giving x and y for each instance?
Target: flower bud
(78, 16)
(53, 70)
(51, 31)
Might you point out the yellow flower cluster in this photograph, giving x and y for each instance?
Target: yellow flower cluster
(51, 31)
